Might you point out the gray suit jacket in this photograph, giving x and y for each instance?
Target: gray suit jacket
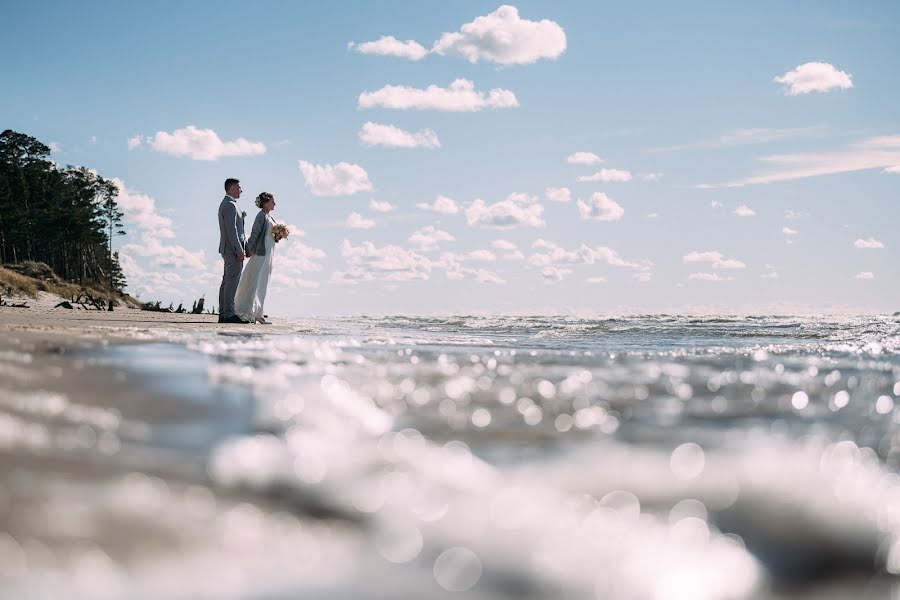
(256, 243)
(231, 227)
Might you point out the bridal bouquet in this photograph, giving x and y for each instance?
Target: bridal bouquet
(279, 232)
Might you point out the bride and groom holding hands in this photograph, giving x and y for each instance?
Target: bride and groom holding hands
(243, 289)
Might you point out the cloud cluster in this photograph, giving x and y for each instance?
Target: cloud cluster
(376, 134)
(382, 207)
(550, 256)
(716, 259)
(510, 250)
(868, 244)
(154, 266)
(342, 179)
(429, 238)
(608, 176)
(504, 38)
(292, 260)
(814, 77)
(357, 221)
(460, 96)
(501, 37)
(583, 158)
(715, 277)
(442, 205)
(198, 144)
(517, 210)
(368, 262)
(388, 45)
(600, 207)
(560, 194)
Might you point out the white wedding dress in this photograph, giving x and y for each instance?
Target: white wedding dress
(251, 291)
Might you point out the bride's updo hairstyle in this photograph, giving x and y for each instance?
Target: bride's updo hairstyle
(263, 198)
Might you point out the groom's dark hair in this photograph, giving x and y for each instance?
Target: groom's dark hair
(230, 182)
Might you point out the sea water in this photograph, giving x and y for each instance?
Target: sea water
(490, 457)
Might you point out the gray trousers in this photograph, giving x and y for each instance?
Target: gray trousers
(230, 279)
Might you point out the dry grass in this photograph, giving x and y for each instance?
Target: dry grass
(47, 281)
(19, 284)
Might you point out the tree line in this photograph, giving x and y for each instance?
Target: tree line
(64, 217)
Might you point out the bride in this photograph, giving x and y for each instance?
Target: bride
(251, 291)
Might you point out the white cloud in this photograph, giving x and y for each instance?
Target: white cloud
(864, 275)
(388, 45)
(642, 276)
(709, 277)
(871, 153)
(202, 144)
(600, 207)
(342, 179)
(894, 169)
(153, 266)
(135, 142)
(291, 260)
(460, 96)
(560, 194)
(376, 134)
(478, 255)
(54, 146)
(794, 214)
(93, 139)
(368, 262)
(744, 211)
(382, 207)
(357, 221)
(596, 280)
(428, 238)
(608, 176)
(298, 257)
(504, 38)
(551, 253)
(789, 231)
(653, 215)
(583, 158)
(517, 210)
(650, 176)
(455, 270)
(716, 259)
(814, 77)
(740, 137)
(553, 274)
(870, 243)
(442, 205)
(510, 250)
(770, 274)
(140, 210)
(166, 256)
(716, 204)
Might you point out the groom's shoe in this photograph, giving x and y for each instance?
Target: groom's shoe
(233, 319)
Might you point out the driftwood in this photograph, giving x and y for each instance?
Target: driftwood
(155, 307)
(64, 304)
(8, 305)
(86, 301)
(198, 307)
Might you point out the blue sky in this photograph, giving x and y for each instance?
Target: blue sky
(715, 187)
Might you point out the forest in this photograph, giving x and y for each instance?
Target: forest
(65, 217)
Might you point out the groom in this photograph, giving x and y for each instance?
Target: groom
(231, 247)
